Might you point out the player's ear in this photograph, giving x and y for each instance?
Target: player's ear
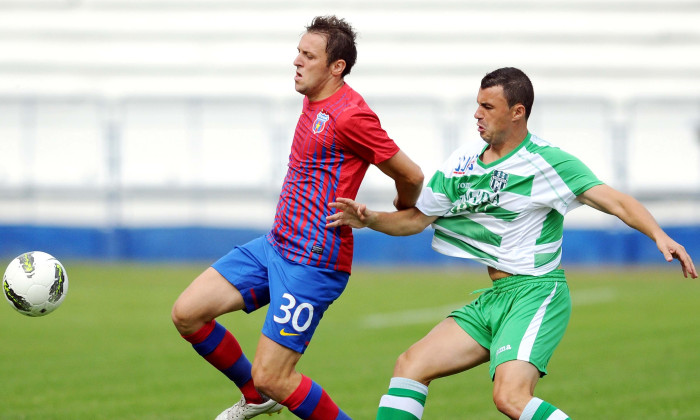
(518, 112)
(337, 67)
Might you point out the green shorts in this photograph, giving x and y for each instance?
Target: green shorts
(519, 318)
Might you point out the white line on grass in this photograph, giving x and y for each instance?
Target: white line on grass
(592, 296)
(435, 314)
(411, 317)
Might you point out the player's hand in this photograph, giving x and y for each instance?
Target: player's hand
(672, 249)
(350, 213)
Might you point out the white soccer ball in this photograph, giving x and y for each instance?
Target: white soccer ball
(35, 283)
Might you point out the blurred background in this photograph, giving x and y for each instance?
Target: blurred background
(160, 129)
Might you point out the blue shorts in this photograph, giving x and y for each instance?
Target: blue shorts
(298, 294)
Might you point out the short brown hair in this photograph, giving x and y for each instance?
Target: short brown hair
(517, 87)
(340, 39)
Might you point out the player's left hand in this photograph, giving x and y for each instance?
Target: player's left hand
(672, 249)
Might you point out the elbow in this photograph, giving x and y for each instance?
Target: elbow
(413, 178)
(417, 179)
(408, 188)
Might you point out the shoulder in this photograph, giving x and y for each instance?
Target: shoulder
(356, 116)
(463, 158)
(555, 157)
(547, 150)
(570, 169)
(351, 105)
(353, 98)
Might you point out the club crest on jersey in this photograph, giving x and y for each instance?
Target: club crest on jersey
(499, 179)
(320, 123)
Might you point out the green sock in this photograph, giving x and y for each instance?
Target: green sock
(404, 400)
(537, 409)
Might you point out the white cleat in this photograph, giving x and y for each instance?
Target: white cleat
(243, 410)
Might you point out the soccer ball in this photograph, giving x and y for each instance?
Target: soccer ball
(35, 283)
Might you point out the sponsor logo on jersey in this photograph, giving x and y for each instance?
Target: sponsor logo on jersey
(475, 201)
(499, 179)
(320, 123)
(317, 249)
(466, 163)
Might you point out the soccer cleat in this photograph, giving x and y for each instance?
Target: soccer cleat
(243, 410)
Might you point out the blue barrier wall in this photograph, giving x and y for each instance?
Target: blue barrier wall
(593, 247)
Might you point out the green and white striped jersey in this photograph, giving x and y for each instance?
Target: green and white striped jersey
(508, 214)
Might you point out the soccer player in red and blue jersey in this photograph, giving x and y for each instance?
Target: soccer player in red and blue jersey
(300, 267)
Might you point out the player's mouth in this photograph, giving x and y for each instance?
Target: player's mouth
(297, 76)
(480, 128)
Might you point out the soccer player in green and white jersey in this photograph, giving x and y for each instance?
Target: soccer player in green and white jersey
(503, 204)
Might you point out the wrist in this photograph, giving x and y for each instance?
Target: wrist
(371, 219)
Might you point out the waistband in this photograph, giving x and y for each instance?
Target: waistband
(518, 280)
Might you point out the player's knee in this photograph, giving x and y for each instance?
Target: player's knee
(178, 317)
(183, 319)
(409, 367)
(403, 364)
(508, 403)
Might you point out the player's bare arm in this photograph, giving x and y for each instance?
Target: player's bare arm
(407, 176)
(635, 215)
(398, 223)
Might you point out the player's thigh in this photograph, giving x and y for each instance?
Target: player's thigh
(207, 297)
(299, 297)
(447, 349)
(534, 326)
(515, 377)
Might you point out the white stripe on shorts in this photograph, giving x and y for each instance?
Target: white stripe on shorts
(528, 340)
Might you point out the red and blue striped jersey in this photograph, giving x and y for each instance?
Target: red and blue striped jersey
(334, 142)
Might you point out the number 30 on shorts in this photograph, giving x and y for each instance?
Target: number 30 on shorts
(294, 312)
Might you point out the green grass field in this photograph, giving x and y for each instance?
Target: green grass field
(632, 349)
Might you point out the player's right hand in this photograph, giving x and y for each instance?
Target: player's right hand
(349, 213)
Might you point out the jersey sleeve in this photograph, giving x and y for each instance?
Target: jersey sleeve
(361, 132)
(569, 178)
(438, 196)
